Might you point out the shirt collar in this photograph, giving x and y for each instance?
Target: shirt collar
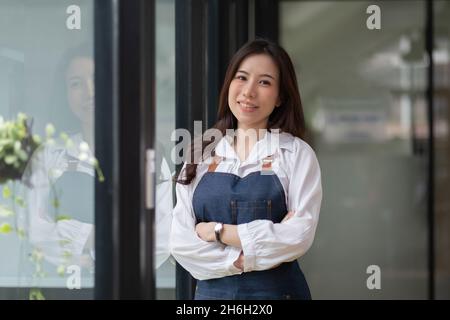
(266, 146)
(74, 149)
(69, 157)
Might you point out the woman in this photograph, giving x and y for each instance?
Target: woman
(61, 193)
(246, 214)
(65, 233)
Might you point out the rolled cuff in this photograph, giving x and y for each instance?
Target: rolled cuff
(233, 255)
(77, 232)
(247, 247)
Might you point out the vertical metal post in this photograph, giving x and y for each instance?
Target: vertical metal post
(429, 36)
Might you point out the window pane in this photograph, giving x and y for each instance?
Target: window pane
(363, 92)
(47, 215)
(442, 146)
(165, 125)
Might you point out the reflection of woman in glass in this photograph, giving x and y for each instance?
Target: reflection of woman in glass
(59, 172)
(61, 194)
(80, 94)
(247, 213)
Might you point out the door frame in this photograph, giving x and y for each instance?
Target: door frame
(125, 131)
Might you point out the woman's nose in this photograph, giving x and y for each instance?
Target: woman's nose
(249, 90)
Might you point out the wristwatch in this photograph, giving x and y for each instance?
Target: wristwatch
(218, 230)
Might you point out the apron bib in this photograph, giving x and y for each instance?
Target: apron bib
(230, 199)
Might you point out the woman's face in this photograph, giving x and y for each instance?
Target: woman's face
(253, 92)
(80, 88)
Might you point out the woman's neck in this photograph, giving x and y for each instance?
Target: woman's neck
(245, 139)
(250, 134)
(88, 135)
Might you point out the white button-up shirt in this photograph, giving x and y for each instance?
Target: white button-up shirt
(45, 233)
(264, 244)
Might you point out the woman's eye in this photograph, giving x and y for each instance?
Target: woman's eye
(240, 77)
(265, 82)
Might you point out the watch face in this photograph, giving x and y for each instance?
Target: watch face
(218, 230)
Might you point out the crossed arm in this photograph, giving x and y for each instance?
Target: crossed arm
(230, 236)
(257, 245)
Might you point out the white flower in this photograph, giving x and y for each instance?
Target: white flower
(17, 146)
(37, 139)
(49, 130)
(21, 116)
(55, 173)
(83, 156)
(92, 161)
(84, 147)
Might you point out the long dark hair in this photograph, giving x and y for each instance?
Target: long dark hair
(288, 117)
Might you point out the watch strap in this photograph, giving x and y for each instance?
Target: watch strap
(218, 232)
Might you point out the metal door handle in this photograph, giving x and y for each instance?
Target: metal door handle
(150, 179)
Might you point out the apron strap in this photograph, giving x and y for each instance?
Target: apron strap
(266, 166)
(214, 163)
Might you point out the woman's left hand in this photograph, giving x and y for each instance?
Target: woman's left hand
(205, 230)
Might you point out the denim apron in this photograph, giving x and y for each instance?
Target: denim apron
(76, 190)
(230, 199)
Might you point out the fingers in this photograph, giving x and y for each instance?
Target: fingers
(239, 263)
(289, 215)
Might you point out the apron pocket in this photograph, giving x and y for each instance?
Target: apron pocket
(248, 211)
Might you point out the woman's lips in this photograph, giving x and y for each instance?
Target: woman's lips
(247, 107)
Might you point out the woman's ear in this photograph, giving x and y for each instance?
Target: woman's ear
(278, 102)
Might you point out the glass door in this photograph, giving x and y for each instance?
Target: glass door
(165, 127)
(442, 146)
(77, 151)
(364, 95)
(48, 165)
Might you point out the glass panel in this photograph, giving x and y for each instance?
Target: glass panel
(441, 61)
(165, 125)
(47, 201)
(363, 92)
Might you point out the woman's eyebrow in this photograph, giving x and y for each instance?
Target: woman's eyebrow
(261, 75)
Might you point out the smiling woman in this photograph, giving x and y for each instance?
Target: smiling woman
(80, 93)
(254, 91)
(73, 102)
(248, 212)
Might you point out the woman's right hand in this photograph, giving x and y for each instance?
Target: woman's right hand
(239, 263)
(288, 215)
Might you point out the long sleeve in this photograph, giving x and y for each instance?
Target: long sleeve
(56, 239)
(203, 260)
(163, 210)
(267, 244)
